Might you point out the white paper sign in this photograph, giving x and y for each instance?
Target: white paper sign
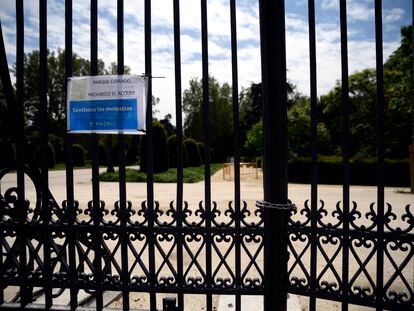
(107, 104)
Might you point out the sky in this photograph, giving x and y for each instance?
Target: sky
(361, 36)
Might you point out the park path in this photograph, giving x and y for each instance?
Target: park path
(222, 192)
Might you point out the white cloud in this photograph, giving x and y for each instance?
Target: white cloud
(360, 11)
(361, 52)
(393, 15)
(329, 4)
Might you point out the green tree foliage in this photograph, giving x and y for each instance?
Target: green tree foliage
(299, 124)
(398, 90)
(250, 100)
(254, 139)
(160, 149)
(398, 74)
(362, 116)
(56, 87)
(220, 116)
(299, 129)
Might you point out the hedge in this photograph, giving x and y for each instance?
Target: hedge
(194, 158)
(160, 149)
(78, 155)
(363, 171)
(172, 150)
(102, 154)
(131, 156)
(58, 145)
(50, 156)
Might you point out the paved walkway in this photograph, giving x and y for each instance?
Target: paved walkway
(222, 193)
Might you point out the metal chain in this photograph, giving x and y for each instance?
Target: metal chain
(282, 207)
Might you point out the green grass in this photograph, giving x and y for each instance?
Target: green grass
(191, 175)
(62, 166)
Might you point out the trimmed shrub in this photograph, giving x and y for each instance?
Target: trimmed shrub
(78, 155)
(58, 145)
(194, 158)
(363, 171)
(172, 150)
(132, 152)
(7, 154)
(103, 158)
(160, 149)
(50, 156)
(185, 156)
(259, 162)
(200, 147)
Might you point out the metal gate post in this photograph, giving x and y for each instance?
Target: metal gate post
(273, 53)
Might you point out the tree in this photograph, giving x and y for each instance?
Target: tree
(56, 107)
(299, 129)
(220, 116)
(399, 106)
(254, 139)
(399, 85)
(250, 101)
(362, 114)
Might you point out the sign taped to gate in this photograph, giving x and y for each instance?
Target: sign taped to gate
(107, 104)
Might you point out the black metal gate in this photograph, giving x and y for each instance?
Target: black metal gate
(54, 249)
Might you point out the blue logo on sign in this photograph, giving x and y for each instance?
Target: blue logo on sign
(104, 115)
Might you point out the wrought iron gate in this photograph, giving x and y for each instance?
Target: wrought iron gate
(67, 248)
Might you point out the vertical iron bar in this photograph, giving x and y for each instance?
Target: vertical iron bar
(20, 143)
(69, 167)
(9, 96)
(272, 37)
(8, 90)
(206, 133)
(235, 100)
(46, 235)
(380, 153)
(314, 151)
(97, 238)
(346, 143)
(122, 182)
(179, 131)
(150, 168)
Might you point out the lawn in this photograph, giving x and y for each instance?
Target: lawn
(191, 175)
